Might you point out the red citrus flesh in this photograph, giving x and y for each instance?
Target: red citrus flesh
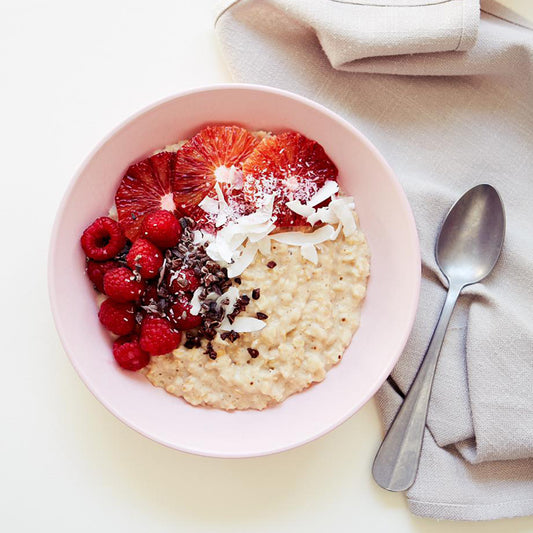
(289, 165)
(146, 187)
(213, 155)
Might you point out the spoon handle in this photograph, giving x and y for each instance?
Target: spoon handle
(396, 462)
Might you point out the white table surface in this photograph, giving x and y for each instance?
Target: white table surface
(69, 73)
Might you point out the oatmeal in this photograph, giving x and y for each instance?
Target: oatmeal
(313, 312)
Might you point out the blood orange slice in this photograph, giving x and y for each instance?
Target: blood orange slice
(145, 187)
(291, 166)
(214, 155)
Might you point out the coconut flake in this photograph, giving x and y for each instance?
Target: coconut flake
(222, 216)
(326, 191)
(223, 248)
(227, 245)
(256, 237)
(261, 215)
(236, 241)
(308, 252)
(211, 297)
(243, 261)
(162, 272)
(209, 205)
(201, 237)
(264, 245)
(196, 305)
(231, 235)
(299, 238)
(252, 229)
(341, 207)
(300, 209)
(232, 295)
(243, 324)
(327, 215)
(223, 207)
(213, 252)
(336, 232)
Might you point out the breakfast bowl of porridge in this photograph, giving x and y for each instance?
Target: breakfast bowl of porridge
(234, 271)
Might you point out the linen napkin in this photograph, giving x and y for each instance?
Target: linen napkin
(444, 90)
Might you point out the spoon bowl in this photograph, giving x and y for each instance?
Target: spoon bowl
(471, 237)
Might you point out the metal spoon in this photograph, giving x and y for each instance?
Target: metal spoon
(468, 246)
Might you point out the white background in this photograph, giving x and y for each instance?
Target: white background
(69, 73)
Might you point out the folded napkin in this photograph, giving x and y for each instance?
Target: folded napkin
(445, 93)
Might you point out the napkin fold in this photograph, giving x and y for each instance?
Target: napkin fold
(444, 90)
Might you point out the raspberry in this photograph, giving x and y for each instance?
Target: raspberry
(181, 317)
(183, 280)
(150, 295)
(145, 257)
(158, 337)
(103, 239)
(161, 228)
(118, 318)
(96, 271)
(122, 285)
(128, 353)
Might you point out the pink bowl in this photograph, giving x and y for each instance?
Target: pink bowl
(388, 311)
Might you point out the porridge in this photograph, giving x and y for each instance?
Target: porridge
(313, 311)
(233, 267)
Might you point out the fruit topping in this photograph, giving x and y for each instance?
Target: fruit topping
(232, 191)
(183, 280)
(128, 353)
(291, 166)
(150, 296)
(214, 155)
(96, 271)
(146, 187)
(181, 317)
(123, 285)
(145, 258)
(118, 318)
(158, 337)
(103, 239)
(161, 228)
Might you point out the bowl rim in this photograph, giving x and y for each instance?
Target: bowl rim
(414, 245)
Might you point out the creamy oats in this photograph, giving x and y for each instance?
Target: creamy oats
(313, 312)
